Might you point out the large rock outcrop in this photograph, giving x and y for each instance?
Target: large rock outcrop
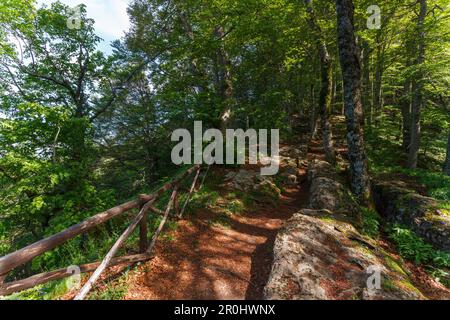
(262, 188)
(319, 253)
(319, 258)
(399, 203)
(327, 190)
(267, 188)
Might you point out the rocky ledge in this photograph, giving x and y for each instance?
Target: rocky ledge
(320, 254)
(399, 203)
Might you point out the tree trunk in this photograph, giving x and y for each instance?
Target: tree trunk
(417, 86)
(326, 89)
(351, 71)
(447, 159)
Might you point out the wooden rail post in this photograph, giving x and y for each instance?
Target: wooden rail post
(164, 219)
(180, 214)
(106, 261)
(143, 241)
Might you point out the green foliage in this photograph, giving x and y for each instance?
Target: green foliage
(221, 220)
(437, 183)
(114, 290)
(371, 222)
(81, 131)
(442, 276)
(53, 290)
(235, 206)
(244, 199)
(412, 247)
(43, 191)
(204, 198)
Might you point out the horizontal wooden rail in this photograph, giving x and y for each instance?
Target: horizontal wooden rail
(19, 257)
(110, 255)
(19, 285)
(169, 185)
(22, 256)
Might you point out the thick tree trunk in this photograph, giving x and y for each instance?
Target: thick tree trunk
(417, 86)
(447, 159)
(326, 89)
(351, 71)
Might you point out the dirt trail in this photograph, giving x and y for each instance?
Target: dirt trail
(210, 262)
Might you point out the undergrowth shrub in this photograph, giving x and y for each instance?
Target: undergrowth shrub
(414, 248)
(371, 222)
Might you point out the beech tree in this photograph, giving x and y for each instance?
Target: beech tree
(351, 71)
(326, 78)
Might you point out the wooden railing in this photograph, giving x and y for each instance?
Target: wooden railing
(144, 203)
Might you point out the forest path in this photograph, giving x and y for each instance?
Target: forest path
(215, 262)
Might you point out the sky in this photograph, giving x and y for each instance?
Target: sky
(111, 19)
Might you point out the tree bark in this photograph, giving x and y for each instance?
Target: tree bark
(406, 100)
(351, 71)
(417, 87)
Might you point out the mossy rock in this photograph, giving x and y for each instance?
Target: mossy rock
(313, 252)
(394, 266)
(266, 192)
(422, 214)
